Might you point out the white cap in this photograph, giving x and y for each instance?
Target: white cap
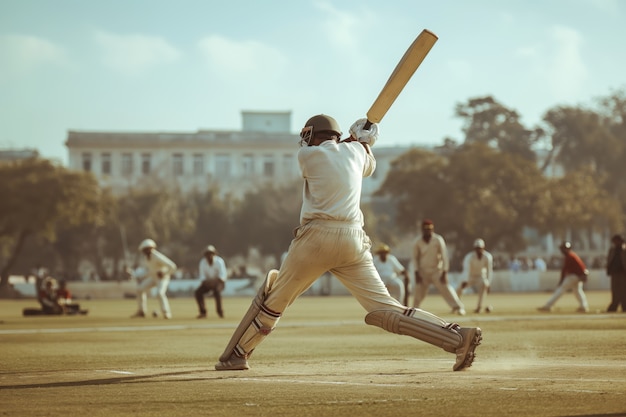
(147, 243)
(479, 243)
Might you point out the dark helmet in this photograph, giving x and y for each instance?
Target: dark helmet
(565, 245)
(323, 123)
(318, 124)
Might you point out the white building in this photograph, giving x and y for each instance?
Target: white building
(264, 151)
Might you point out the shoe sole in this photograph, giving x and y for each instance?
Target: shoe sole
(476, 338)
(229, 366)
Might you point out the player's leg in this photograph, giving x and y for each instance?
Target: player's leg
(395, 286)
(385, 312)
(449, 295)
(199, 296)
(217, 294)
(142, 296)
(421, 289)
(567, 284)
(164, 303)
(298, 272)
(459, 290)
(579, 293)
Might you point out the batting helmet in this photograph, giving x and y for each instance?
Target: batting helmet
(147, 243)
(319, 123)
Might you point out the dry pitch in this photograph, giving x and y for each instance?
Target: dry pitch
(322, 360)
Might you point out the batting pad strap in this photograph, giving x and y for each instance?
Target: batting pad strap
(261, 326)
(446, 338)
(254, 311)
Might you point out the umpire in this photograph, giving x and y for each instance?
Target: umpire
(212, 271)
(616, 269)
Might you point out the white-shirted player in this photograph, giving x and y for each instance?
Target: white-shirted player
(213, 276)
(158, 270)
(331, 238)
(390, 270)
(477, 273)
(431, 263)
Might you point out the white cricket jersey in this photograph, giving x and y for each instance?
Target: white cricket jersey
(333, 176)
(217, 270)
(431, 256)
(475, 268)
(389, 268)
(158, 262)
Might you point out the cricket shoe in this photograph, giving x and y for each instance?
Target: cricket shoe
(582, 310)
(234, 363)
(465, 353)
(139, 314)
(545, 309)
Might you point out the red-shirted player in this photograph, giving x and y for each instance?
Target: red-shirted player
(573, 275)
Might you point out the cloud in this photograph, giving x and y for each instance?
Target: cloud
(342, 28)
(566, 68)
(135, 53)
(611, 7)
(23, 53)
(251, 58)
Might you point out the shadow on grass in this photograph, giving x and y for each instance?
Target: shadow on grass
(100, 381)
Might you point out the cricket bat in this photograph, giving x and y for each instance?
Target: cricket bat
(400, 76)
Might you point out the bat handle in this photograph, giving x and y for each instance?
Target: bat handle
(367, 125)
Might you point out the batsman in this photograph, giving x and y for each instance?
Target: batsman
(331, 237)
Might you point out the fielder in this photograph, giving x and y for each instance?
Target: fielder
(431, 263)
(477, 273)
(159, 269)
(573, 274)
(331, 238)
(390, 269)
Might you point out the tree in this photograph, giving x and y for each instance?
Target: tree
(475, 192)
(489, 122)
(40, 195)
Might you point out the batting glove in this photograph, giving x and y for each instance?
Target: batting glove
(368, 136)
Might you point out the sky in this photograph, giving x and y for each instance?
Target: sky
(188, 65)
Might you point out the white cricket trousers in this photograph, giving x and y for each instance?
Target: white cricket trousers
(447, 292)
(161, 285)
(570, 282)
(339, 247)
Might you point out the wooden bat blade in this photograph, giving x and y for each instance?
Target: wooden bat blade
(401, 75)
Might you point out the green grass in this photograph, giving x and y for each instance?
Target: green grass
(322, 360)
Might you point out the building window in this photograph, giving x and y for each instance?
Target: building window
(222, 165)
(127, 164)
(287, 164)
(247, 165)
(146, 163)
(198, 164)
(269, 166)
(106, 163)
(87, 161)
(177, 164)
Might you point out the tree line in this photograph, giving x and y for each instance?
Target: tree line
(494, 183)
